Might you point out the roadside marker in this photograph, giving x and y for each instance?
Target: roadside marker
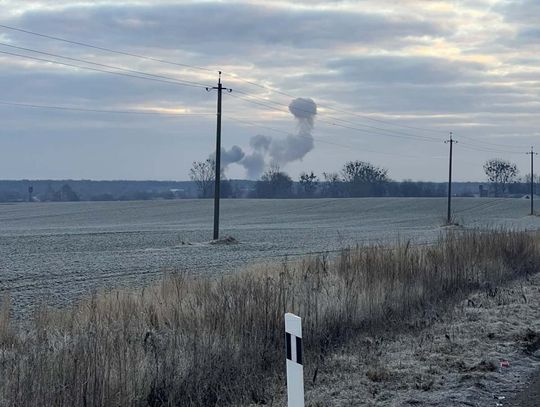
(295, 369)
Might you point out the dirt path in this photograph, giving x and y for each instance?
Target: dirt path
(480, 354)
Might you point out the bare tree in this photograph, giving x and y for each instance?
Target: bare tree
(500, 173)
(527, 179)
(309, 183)
(203, 174)
(364, 178)
(274, 183)
(331, 184)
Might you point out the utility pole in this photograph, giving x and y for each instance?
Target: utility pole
(217, 180)
(449, 212)
(532, 154)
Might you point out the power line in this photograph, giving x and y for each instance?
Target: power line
(83, 44)
(355, 114)
(253, 124)
(479, 148)
(120, 52)
(397, 135)
(403, 135)
(234, 119)
(392, 134)
(486, 149)
(334, 109)
(250, 101)
(347, 146)
(494, 144)
(97, 69)
(232, 75)
(92, 110)
(411, 137)
(187, 83)
(342, 120)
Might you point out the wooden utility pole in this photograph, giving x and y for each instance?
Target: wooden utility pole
(217, 180)
(532, 154)
(449, 211)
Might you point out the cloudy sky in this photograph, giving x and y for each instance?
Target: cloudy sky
(391, 79)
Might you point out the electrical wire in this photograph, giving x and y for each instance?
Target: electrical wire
(333, 123)
(97, 69)
(83, 44)
(161, 78)
(249, 123)
(92, 110)
(348, 147)
(474, 141)
(486, 149)
(343, 120)
(187, 83)
(232, 75)
(334, 109)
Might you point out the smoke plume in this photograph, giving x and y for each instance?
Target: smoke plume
(254, 165)
(233, 155)
(267, 150)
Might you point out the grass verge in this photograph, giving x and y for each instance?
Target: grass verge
(214, 341)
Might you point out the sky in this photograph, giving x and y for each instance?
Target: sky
(390, 80)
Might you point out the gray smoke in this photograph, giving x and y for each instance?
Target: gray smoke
(282, 151)
(233, 155)
(260, 142)
(254, 165)
(304, 110)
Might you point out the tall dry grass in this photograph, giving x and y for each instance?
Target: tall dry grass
(217, 341)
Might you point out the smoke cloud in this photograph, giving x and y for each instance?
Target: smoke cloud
(260, 142)
(267, 150)
(254, 165)
(233, 155)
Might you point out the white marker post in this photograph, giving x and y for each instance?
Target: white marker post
(295, 369)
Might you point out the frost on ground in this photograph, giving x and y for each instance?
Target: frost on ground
(226, 241)
(478, 354)
(57, 253)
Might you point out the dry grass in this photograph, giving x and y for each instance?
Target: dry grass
(204, 341)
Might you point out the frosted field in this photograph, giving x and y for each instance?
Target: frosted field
(56, 252)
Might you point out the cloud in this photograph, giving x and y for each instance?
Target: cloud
(223, 28)
(406, 69)
(442, 64)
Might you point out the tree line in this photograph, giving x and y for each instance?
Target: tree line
(355, 179)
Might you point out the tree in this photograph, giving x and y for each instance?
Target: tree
(274, 184)
(331, 184)
(500, 173)
(411, 188)
(364, 178)
(527, 179)
(203, 174)
(226, 190)
(309, 183)
(67, 194)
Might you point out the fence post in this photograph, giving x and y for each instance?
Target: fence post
(295, 368)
